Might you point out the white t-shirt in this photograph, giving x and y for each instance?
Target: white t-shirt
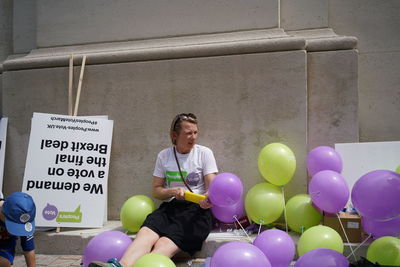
(194, 166)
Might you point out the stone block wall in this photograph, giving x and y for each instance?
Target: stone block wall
(254, 71)
(248, 89)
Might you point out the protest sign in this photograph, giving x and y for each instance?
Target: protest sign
(361, 158)
(66, 169)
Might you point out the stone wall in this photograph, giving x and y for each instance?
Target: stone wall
(99, 21)
(376, 25)
(254, 71)
(44, 23)
(249, 89)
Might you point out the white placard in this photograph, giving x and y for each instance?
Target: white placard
(3, 138)
(66, 169)
(361, 158)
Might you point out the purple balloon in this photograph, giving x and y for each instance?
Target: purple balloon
(227, 214)
(277, 245)
(329, 191)
(106, 245)
(376, 195)
(379, 229)
(239, 254)
(225, 189)
(322, 257)
(323, 158)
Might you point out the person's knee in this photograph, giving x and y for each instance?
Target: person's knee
(165, 246)
(163, 242)
(4, 262)
(144, 240)
(146, 231)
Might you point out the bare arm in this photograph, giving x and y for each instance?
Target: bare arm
(162, 193)
(206, 204)
(30, 258)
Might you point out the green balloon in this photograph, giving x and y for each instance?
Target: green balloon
(277, 163)
(300, 214)
(398, 169)
(319, 236)
(385, 251)
(264, 203)
(154, 260)
(134, 211)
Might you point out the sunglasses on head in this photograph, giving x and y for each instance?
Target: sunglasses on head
(185, 117)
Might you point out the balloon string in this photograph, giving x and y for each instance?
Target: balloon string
(284, 207)
(235, 217)
(362, 243)
(313, 194)
(259, 228)
(302, 229)
(351, 249)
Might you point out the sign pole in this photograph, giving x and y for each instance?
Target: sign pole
(78, 93)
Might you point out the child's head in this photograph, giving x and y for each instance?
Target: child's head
(19, 211)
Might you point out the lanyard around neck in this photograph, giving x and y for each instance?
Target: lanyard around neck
(180, 172)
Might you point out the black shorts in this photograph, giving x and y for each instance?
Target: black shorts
(185, 223)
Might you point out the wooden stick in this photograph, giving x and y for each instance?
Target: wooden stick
(78, 93)
(70, 100)
(70, 81)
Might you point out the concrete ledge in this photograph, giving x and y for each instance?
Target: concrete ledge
(245, 42)
(70, 241)
(257, 41)
(325, 40)
(73, 241)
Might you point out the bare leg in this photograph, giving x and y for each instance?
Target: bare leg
(4, 262)
(165, 246)
(143, 243)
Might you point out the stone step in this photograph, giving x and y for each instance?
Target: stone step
(72, 241)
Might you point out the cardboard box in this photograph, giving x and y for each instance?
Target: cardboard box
(351, 224)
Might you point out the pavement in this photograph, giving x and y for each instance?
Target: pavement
(51, 260)
(43, 260)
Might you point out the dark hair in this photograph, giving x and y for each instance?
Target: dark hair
(177, 121)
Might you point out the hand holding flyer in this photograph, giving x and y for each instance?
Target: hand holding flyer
(193, 197)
